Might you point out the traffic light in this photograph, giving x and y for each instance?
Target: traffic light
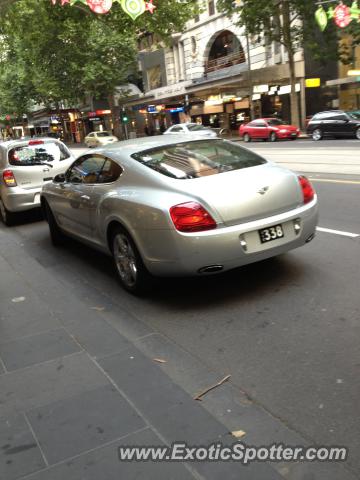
(124, 118)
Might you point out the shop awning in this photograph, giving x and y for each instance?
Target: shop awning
(342, 81)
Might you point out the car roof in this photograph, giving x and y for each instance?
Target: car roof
(329, 111)
(129, 147)
(188, 123)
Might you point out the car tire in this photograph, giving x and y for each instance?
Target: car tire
(56, 234)
(247, 138)
(317, 134)
(272, 137)
(6, 216)
(357, 133)
(129, 266)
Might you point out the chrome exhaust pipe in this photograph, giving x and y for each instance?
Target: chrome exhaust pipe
(211, 269)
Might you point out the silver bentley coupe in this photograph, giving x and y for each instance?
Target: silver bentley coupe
(171, 206)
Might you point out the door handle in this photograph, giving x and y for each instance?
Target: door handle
(46, 169)
(85, 197)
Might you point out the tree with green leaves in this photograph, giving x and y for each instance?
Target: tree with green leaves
(60, 54)
(288, 22)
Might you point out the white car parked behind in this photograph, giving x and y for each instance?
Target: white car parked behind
(97, 139)
(192, 129)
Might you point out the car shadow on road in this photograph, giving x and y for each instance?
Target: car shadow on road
(247, 282)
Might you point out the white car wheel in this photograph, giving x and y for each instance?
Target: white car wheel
(6, 216)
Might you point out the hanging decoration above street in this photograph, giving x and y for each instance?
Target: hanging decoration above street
(134, 8)
(342, 15)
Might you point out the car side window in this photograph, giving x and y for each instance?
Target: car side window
(258, 123)
(339, 116)
(86, 169)
(110, 172)
(321, 116)
(176, 129)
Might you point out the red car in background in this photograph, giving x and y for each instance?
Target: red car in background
(271, 129)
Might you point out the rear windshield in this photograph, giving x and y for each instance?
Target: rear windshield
(194, 127)
(38, 154)
(198, 159)
(103, 134)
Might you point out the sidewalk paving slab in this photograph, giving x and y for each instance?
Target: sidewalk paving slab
(19, 451)
(83, 422)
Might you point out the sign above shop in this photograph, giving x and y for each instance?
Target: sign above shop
(312, 82)
(287, 89)
(103, 112)
(155, 108)
(260, 88)
(170, 91)
(175, 110)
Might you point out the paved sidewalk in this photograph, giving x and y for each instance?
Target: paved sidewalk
(78, 379)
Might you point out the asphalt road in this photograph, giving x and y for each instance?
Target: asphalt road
(287, 329)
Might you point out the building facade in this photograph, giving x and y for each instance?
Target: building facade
(211, 74)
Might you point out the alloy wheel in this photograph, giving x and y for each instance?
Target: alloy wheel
(247, 137)
(317, 134)
(358, 133)
(273, 137)
(125, 260)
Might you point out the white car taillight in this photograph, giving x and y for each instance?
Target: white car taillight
(9, 178)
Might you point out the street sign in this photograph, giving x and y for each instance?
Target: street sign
(312, 82)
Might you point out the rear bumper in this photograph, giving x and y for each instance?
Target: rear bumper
(171, 253)
(18, 199)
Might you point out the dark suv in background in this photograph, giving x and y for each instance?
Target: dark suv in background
(334, 123)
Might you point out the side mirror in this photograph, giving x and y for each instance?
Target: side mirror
(60, 178)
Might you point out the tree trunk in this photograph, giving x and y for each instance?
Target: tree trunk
(294, 106)
(115, 115)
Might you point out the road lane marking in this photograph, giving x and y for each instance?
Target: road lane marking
(338, 232)
(331, 180)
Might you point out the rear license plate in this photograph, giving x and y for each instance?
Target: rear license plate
(271, 233)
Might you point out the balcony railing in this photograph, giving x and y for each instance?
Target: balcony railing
(224, 62)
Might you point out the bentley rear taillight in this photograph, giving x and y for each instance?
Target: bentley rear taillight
(9, 178)
(191, 217)
(307, 189)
